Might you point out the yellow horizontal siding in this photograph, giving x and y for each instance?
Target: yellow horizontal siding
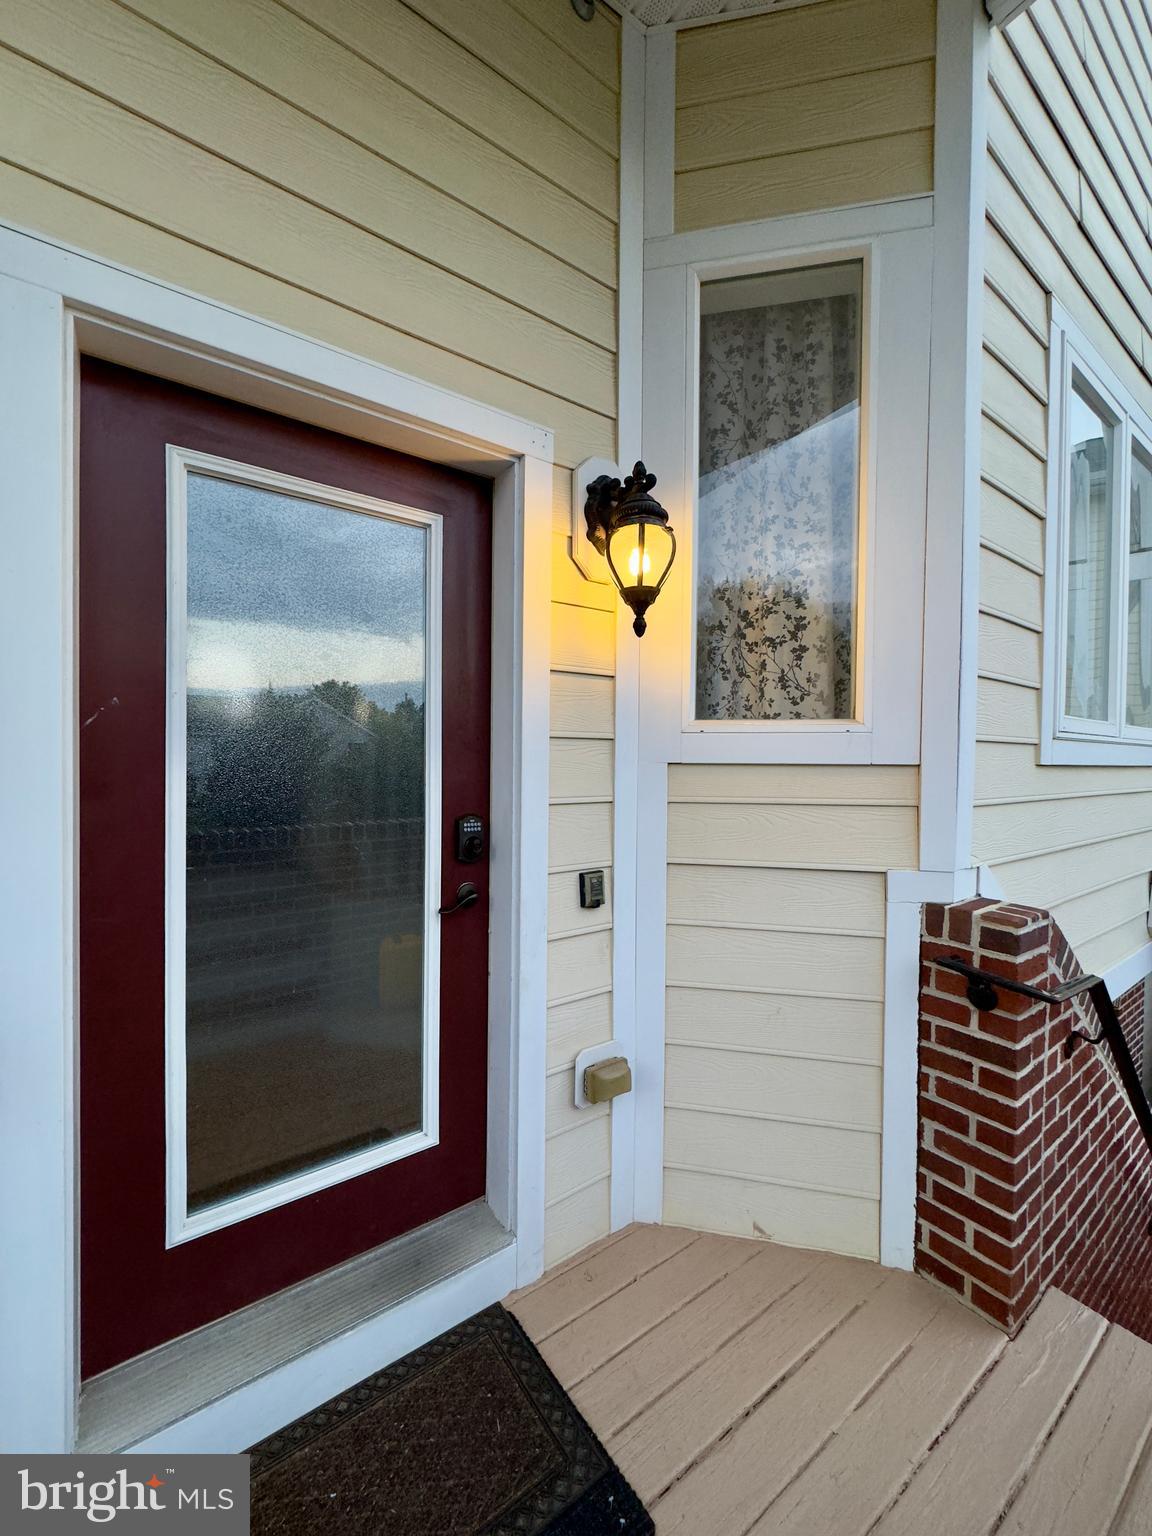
(1068, 197)
(775, 946)
(814, 107)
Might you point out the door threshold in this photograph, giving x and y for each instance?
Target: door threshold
(136, 1401)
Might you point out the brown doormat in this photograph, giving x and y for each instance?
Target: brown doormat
(471, 1435)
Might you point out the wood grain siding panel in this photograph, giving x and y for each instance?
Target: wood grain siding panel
(773, 1087)
(806, 116)
(899, 165)
(435, 66)
(841, 37)
(805, 1156)
(1069, 178)
(153, 74)
(775, 954)
(59, 130)
(306, 67)
(821, 784)
(814, 107)
(574, 1026)
(582, 706)
(780, 1022)
(803, 1218)
(822, 836)
(751, 959)
(791, 900)
(583, 640)
(576, 1220)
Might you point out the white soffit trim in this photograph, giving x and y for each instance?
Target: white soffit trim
(1001, 12)
(686, 13)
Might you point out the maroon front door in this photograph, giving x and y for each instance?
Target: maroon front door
(284, 709)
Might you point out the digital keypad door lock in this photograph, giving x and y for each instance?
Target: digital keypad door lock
(471, 842)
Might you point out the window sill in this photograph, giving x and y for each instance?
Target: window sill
(829, 744)
(1081, 752)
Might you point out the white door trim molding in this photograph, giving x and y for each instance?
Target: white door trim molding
(56, 302)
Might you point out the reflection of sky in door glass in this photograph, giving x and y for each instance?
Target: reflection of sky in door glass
(286, 593)
(306, 794)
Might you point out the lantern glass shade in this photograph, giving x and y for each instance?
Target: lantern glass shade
(640, 553)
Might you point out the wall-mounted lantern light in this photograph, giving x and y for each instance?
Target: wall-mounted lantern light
(630, 529)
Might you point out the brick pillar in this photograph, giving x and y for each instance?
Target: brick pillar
(982, 1111)
(1033, 1170)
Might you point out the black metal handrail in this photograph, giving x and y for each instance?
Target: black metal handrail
(983, 989)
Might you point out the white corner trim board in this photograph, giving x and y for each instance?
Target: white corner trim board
(1128, 973)
(56, 302)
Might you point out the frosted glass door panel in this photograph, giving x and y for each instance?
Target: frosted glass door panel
(306, 787)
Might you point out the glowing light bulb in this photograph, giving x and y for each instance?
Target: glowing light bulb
(634, 565)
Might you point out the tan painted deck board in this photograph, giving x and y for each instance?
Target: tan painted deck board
(623, 1387)
(1080, 1477)
(578, 1287)
(600, 1334)
(675, 1433)
(796, 1421)
(989, 1451)
(768, 1391)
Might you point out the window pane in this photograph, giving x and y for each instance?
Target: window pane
(780, 365)
(1140, 592)
(1091, 467)
(305, 847)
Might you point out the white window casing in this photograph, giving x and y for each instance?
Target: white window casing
(895, 322)
(1065, 738)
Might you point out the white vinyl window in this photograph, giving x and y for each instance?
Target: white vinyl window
(786, 413)
(1098, 631)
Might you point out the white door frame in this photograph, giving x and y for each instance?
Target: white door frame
(55, 303)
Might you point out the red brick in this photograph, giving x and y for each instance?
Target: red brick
(1012, 1116)
(940, 1061)
(943, 1168)
(934, 915)
(929, 1264)
(948, 1009)
(959, 924)
(1008, 1227)
(1011, 1085)
(944, 1114)
(936, 1216)
(968, 1043)
(971, 1156)
(991, 1248)
(1009, 1200)
(978, 1270)
(1011, 941)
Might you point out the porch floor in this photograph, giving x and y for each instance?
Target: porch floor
(744, 1387)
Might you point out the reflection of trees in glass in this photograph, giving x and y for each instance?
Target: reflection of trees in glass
(278, 758)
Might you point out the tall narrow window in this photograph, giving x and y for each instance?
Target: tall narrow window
(1091, 468)
(1139, 689)
(778, 507)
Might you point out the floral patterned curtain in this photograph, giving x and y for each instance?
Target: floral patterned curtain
(779, 427)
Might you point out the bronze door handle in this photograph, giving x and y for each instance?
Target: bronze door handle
(466, 896)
